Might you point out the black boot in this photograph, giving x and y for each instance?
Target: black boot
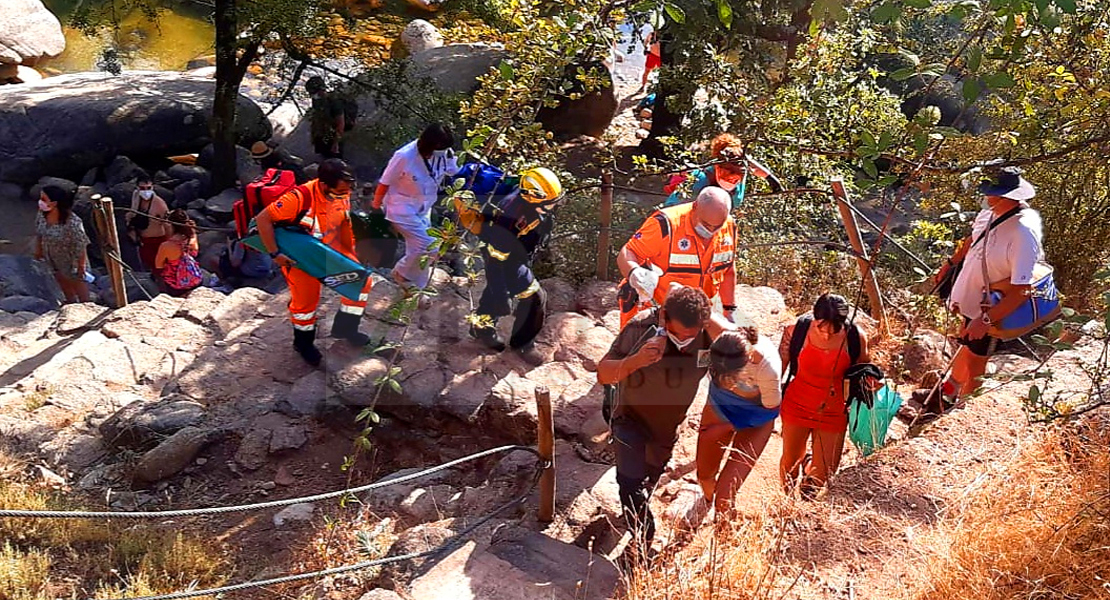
(345, 326)
(487, 336)
(304, 341)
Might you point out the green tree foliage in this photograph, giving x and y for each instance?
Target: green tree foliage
(241, 28)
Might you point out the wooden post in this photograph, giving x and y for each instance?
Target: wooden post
(851, 226)
(606, 223)
(546, 444)
(109, 244)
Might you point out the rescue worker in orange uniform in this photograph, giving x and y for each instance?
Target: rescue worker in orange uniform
(690, 244)
(323, 210)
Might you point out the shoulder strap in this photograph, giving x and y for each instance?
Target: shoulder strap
(997, 222)
(797, 340)
(855, 345)
(306, 201)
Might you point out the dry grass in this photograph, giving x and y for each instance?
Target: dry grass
(741, 559)
(1035, 525)
(1039, 530)
(23, 575)
(50, 558)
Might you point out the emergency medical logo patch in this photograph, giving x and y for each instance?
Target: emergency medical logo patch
(684, 244)
(278, 203)
(637, 236)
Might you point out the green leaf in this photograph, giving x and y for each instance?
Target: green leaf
(885, 13)
(920, 142)
(1067, 6)
(1041, 4)
(971, 89)
(998, 80)
(1034, 394)
(506, 69)
(884, 140)
(395, 385)
(870, 168)
(974, 58)
(724, 13)
(675, 13)
(918, 3)
(903, 74)
(867, 139)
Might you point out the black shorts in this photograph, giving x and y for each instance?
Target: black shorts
(983, 346)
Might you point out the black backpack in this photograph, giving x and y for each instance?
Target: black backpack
(798, 339)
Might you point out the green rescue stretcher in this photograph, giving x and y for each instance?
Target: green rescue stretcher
(329, 266)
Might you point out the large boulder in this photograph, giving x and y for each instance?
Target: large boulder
(67, 124)
(29, 32)
(455, 68)
(589, 114)
(141, 425)
(421, 35)
(20, 276)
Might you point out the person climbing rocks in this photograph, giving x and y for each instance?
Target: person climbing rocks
(408, 190)
(321, 206)
(147, 221)
(275, 157)
(178, 272)
(817, 350)
(729, 174)
(744, 395)
(328, 117)
(656, 363)
(61, 242)
(691, 244)
(513, 228)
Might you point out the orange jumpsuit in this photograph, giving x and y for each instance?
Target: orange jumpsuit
(328, 221)
(668, 240)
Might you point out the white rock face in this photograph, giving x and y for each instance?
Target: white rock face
(29, 32)
(421, 35)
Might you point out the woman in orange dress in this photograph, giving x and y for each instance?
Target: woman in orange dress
(813, 403)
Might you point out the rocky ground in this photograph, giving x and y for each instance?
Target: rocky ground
(202, 401)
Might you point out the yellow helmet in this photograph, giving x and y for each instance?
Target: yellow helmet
(539, 185)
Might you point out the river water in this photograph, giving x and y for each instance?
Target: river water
(182, 32)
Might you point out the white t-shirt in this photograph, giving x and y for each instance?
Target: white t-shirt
(413, 183)
(762, 380)
(1013, 250)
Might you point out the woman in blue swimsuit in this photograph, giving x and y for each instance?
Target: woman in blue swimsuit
(744, 396)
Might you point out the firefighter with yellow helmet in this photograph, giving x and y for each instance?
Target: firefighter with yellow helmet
(512, 226)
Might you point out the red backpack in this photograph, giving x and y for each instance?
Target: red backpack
(258, 195)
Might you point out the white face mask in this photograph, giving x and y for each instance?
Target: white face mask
(703, 231)
(146, 194)
(44, 206)
(680, 344)
(984, 203)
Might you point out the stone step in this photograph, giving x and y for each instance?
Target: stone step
(518, 564)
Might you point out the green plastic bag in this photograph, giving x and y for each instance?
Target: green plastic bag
(867, 427)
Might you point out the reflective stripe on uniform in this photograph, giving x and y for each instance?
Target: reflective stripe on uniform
(352, 310)
(363, 297)
(532, 289)
(502, 256)
(722, 257)
(685, 259)
(310, 327)
(303, 316)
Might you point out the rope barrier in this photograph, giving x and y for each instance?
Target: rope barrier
(196, 227)
(447, 545)
(166, 514)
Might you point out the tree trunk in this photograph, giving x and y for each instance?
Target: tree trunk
(227, 92)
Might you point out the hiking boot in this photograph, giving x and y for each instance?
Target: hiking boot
(345, 327)
(304, 342)
(487, 336)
